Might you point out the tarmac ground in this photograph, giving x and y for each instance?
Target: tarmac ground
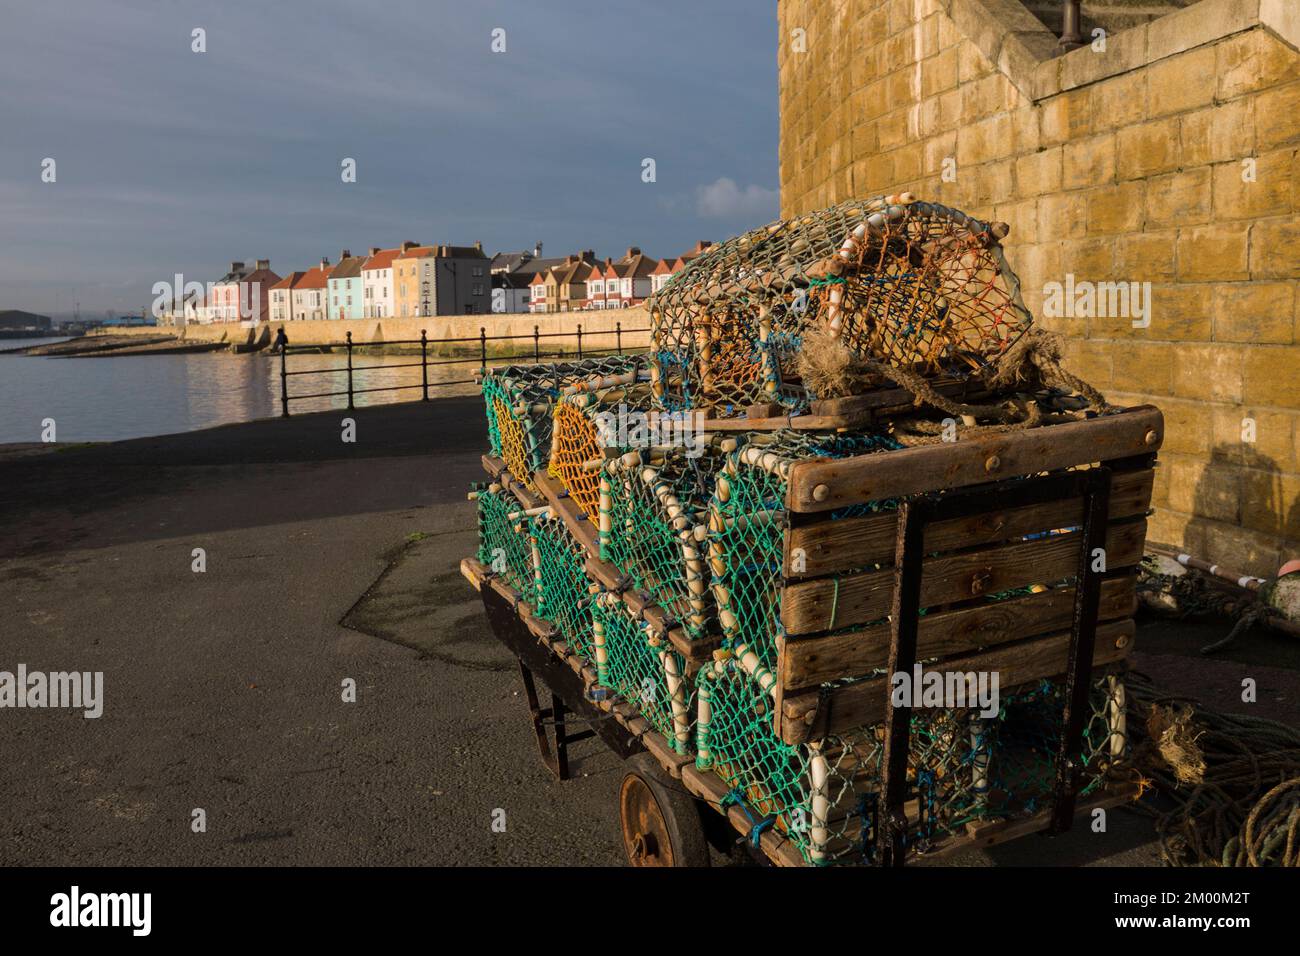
(329, 562)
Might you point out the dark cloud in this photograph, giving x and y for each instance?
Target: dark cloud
(172, 161)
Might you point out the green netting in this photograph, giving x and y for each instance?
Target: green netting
(1028, 733)
(747, 523)
(564, 596)
(825, 795)
(643, 670)
(503, 544)
(518, 401)
(653, 522)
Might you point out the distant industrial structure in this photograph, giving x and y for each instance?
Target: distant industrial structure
(17, 324)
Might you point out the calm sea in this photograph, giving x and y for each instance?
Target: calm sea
(105, 399)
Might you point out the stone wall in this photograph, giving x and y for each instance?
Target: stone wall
(598, 330)
(1169, 158)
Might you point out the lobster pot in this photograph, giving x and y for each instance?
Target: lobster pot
(643, 670)
(747, 526)
(912, 285)
(504, 538)
(823, 794)
(962, 767)
(519, 401)
(1025, 738)
(588, 422)
(654, 522)
(564, 596)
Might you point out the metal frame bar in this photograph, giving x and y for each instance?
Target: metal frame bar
(557, 763)
(1093, 485)
(568, 697)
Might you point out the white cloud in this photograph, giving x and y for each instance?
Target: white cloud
(723, 199)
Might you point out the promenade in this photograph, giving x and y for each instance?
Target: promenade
(223, 689)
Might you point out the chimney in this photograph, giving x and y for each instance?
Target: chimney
(236, 267)
(588, 255)
(263, 264)
(347, 254)
(409, 245)
(478, 245)
(632, 251)
(374, 250)
(324, 264)
(537, 251)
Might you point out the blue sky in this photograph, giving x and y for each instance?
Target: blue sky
(174, 161)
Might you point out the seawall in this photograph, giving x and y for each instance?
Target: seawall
(598, 330)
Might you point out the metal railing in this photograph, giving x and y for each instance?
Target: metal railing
(424, 364)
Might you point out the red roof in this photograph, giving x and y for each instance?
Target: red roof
(317, 278)
(415, 252)
(290, 281)
(382, 260)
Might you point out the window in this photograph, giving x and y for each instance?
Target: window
(478, 271)
(478, 288)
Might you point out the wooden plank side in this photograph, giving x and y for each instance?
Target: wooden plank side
(811, 661)
(810, 715)
(824, 485)
(843, 544)
(496, 468)
(825, 604)
(564, 506)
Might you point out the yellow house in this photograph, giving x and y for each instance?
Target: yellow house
(413, 282)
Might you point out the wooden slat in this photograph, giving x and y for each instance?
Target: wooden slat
(808, 607)
(977, 460)
(811, 661)
(810, 715)
(843, 544)
(987, 833)
(496, 468)
(474, 571)
(885, 394)
(709, 787)
(569, 511)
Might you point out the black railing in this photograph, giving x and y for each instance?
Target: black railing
(481, 359)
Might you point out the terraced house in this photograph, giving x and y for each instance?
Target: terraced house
(377, 281)
(442, 280)
(311, 295)
(282, 297)
(346, 294)
(243, 293)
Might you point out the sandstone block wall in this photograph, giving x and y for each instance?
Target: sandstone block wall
(1170, 158)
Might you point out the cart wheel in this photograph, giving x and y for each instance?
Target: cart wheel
(660, 820)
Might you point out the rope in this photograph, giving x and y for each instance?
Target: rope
(1235, 781)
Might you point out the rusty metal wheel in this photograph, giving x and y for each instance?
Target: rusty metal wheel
(660, 821)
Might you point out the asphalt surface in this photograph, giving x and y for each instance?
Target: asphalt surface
(325, 562)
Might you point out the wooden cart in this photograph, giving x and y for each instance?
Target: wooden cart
(985, 533)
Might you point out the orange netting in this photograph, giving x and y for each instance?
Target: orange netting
(575, 446)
